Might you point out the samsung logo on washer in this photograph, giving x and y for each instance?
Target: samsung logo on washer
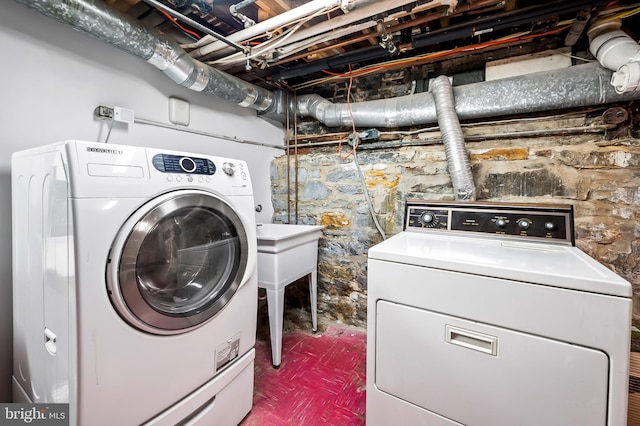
(105, 150)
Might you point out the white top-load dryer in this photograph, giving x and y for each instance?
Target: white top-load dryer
(135, 284)
(485, 314)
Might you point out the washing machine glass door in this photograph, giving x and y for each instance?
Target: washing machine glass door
(180, 263)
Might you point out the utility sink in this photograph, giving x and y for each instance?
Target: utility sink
(285, 254)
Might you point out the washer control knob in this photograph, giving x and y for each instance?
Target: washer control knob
(549, 226)
(524, 224)
(187, 164)
(501, 223)
(427, 218)
(229, 168)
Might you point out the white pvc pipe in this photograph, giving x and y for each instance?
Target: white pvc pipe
(293, 48)
(263, 27)
(614, 49)
(266, 53)
(364, 12)
(618, 52)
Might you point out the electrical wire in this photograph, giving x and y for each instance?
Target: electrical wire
(438, 55)
(236, 58)
(620, 15)
(175, 22)
(561, 26)
(353, 152)
(106, 140)
(356, 138)
(373, 214)
(372, 69)
(434, 55)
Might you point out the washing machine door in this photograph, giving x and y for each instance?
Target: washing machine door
(177, 262)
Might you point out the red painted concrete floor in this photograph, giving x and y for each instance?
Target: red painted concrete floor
(321, 380)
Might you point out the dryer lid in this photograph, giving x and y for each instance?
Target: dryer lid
(545, 264)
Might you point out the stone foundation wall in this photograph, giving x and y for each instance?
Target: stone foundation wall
(600, 178)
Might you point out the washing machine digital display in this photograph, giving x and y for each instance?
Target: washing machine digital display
(167, 163)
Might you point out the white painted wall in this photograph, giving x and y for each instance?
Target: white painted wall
(53, 77)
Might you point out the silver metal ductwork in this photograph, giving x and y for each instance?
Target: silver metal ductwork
(103, 22)
(577, 86)
(453, 140)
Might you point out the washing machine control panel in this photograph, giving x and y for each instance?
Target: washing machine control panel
(519, 221)
(168, 163)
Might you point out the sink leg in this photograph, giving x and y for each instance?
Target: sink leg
(313, 291)
(275, 305)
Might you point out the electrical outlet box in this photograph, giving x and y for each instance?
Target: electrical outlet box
(123, 115)
(179, 111)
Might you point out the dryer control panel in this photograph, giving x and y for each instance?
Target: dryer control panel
(520, 221)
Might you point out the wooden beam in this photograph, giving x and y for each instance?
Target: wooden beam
(270, 8)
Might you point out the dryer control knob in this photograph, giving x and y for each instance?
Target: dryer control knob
(524, 224)
(229, 168)
(501, 223)
(427, 218)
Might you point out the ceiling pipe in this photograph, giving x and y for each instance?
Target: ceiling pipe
(363, 11)
(503, 21)
(283, 52)
(192, 23)
(461, 31)
(243, 19)
(264, 27)
(358, 19)
(101, 21)
(577, 86)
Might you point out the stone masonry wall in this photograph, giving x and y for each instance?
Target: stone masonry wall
(600, 178)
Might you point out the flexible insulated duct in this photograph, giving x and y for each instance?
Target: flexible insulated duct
(577, 86)
(96, 18)
(453, 140)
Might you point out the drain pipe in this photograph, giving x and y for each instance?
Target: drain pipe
(101, 21)
(618, 52)
(453, 140)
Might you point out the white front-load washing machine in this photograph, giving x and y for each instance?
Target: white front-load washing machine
(134, 284)
(486, 314)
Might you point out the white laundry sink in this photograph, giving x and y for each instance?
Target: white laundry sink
(285, 254)
(278, 237)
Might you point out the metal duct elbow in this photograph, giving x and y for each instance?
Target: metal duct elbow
(321, 109)
(392, 112)
(453, 139)
(101, 21)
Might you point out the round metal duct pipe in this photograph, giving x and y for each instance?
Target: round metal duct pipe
(577, 86)
(103, 22)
